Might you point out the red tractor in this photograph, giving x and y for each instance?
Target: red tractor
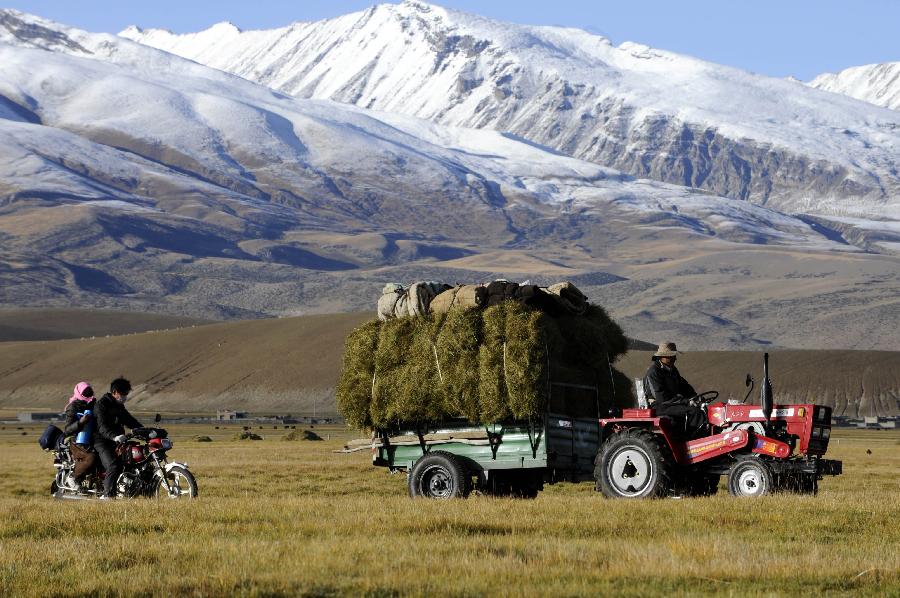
(760, 448)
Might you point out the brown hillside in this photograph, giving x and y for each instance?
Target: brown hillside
(274, 364)
(290, 365)
(54, 324)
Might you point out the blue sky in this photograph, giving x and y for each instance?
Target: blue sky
(779, 38)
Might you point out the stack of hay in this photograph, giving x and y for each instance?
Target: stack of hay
(483, 364)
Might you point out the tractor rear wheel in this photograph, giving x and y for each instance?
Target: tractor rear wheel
(750, 477)
(634, 463)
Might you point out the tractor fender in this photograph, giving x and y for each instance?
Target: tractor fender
(709, 447)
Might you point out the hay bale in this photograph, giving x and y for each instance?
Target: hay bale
(527, 373)
(484, 365)
(513, 362)
(301, 435)
(393, 340)
(491, 383)
(457, 348)
(202, 439)
(407, 385)
(354, 389)
(592, 340)
(247, 435)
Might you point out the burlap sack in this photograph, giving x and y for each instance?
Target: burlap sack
(570, 297)
(387, 305)
(460, 297)
(420, 295)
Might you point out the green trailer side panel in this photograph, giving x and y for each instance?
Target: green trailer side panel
(516, 446)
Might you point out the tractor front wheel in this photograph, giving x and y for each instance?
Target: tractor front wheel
(750, 477)
(634, 463)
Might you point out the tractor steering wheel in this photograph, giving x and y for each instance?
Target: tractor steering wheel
(704, 397)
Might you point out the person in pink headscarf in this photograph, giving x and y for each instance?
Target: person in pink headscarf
(77, 420)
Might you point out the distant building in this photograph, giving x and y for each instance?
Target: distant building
(28, 416)
(878, 423)
(226, 415)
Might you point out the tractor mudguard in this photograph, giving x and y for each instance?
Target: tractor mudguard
(702, 449)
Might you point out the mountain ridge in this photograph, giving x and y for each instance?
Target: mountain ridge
(647, 112)
(878, 84)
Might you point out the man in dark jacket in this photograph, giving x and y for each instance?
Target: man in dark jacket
(112, 418)
(669, 393)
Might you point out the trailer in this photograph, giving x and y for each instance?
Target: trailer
(512, 458)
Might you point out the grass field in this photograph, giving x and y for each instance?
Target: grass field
(294, 518)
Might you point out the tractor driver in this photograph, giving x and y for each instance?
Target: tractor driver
(669, 393)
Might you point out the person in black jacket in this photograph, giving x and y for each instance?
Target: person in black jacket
(82, 400)
(669, 393)
(112, 419)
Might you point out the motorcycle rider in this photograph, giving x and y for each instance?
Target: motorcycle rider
(669, 393)
(82, 400)
(112, 418)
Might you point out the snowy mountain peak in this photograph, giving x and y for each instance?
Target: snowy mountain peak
(648, 112)
(877, 84)
(225, 27)
(19, 28)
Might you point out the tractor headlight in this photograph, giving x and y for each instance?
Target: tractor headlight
(826, 433)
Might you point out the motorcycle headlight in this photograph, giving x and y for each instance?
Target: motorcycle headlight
(166, 444)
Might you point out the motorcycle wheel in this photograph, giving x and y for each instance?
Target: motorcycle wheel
(181, 481)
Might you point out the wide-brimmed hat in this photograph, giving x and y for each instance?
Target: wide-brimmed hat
(666, 350)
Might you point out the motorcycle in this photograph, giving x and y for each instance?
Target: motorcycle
(146, 470)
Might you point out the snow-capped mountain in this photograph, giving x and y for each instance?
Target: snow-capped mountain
(646, 112)
(135, 119)
(130, 177)
(877, 84)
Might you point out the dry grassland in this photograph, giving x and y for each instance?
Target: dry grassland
(293, 518)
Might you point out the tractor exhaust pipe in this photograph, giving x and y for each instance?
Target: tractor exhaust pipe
(766, 392)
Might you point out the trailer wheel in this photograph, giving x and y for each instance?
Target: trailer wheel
(750, 477)
(439, 474)
(634, 464)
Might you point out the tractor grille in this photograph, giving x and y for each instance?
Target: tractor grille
(822, 416)
(821, 432)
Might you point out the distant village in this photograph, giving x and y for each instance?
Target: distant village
(244, 417)
(221, 416)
